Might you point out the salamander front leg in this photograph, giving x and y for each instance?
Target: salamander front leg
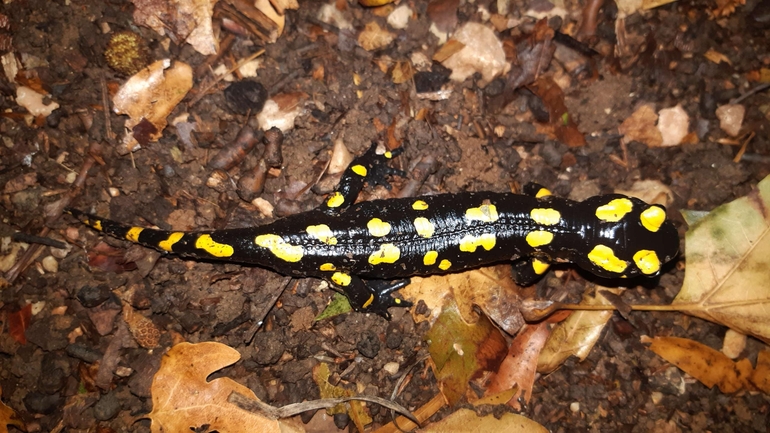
(370, 167)
(371, 296)
(528, 270)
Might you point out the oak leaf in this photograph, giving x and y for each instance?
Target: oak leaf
(183, 400)
(727, 279)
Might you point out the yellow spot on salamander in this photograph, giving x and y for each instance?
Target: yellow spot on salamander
(424, 227)
(539, 238)
(323, 233)
(97, 225)
(546, 217)
(341, 279)
(653, 217)
(170, 241)
(444, 265)
(388, 154)
(429, 259)
(133, 234)
(206, 243)
(377, 227)
(615, 210)
(328, 267)
(539, 266)
(335, 200)
(469, 243)
(419, 205)
(647, 262)
(388, 253)
(368, 302)
(280, 248)
(359, 170)
(485, 213)
(543, 192)
(603, 257)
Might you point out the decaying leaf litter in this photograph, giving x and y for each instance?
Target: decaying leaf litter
(344, 74)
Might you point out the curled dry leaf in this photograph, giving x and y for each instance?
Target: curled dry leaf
(727, 279)
(151, 95)
(711, 367)
(183, 400)
(519, 367)
(577, 335)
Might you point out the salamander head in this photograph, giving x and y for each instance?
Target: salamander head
(631, 238)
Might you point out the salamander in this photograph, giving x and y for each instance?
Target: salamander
(368, 250)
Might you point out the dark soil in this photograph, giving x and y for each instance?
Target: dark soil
(165, 184)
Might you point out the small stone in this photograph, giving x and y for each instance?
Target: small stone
(368, 345)
(391, 368)
(107, 407)
(269, 347)
(90, 296)
(50, 264)
(37, 402)
(731, 118)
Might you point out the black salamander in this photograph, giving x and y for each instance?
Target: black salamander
(357, 247)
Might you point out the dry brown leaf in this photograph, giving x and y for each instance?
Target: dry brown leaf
(466, 420)
(578, 334)
(8, 417)
(519, 367)
(182, 399)
(447, 50)
(727, 279)
(761, 376)
(716, 57)
(725, 8)
(492, 289)
(151, 95)
(640, 126)
(711, 367)
(186, 20)
(374, 37)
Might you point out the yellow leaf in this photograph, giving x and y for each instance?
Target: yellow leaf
(727, 279)
(183, 400)
(711, 367)
(356, 412)
(576, 335)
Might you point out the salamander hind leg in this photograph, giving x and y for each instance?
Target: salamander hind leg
(370, 167)
(371, 296)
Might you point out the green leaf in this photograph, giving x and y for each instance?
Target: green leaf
(461, 350)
